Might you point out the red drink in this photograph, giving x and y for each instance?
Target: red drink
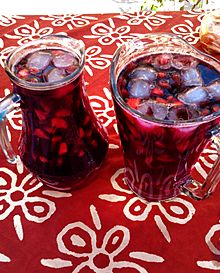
(166, 106)
(62, 141)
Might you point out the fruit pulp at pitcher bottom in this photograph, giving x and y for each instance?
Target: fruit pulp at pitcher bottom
(165, 87)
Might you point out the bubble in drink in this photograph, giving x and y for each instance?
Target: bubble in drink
(144, 73)
(139, 88)
(64, 60)
(196, 95)
(38, 61)
(191, 77)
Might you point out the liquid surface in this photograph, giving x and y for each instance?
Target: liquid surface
(170, 87)
(47, 65)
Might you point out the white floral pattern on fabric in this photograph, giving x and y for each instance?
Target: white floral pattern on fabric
(177, 210)
(194, 13)
(4, 258)
(212, 241)
(96, 60)
(149, 19)
(187, 31)
(16, 195)
(109, 34)
(80, 241)
(4, 54)
(6, 21)
(70, 20)
(26, 33)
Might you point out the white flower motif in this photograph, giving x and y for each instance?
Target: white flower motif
(4, 258)
(148, 18)
(212, 241)
(6, 21)
(187, 31)
(108, 34)
(26, 33)
(194, 13)
(95, 60)
(70, 20)
(80, 241)
(177, 210)
(19, 196)
(4, 54)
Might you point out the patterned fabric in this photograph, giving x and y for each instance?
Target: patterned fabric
(102, 227)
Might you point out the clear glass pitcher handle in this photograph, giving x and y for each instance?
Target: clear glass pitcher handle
(8, 104)
(199, 190)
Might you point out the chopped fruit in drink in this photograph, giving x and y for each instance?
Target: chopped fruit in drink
(215, 108)
(94, 143)
(63, 113)
(23, 74)
(43, 159)
(81, 132)
(162, 61)
(40, 114)
(81, 153)
(160, 100)
(59, 123)
(157, 91)
(56, 139)
(63, 149)
(133, 103)
(161, 74)
(164, 84)
(40, 133)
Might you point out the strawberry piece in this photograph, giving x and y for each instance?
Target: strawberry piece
(161, 74)
(63, 148)
(215, 108)
(81, 133)
(40, 114)
(59, 123)
(40, 133)
(43, 159)
(94, 143)
(164, 84)
(63, 113)
(157, 91)
(81, 153)
(56, 139)
(133, 102)
(160, 100)
(23, 74)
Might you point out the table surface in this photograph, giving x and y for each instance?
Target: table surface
(102, 227)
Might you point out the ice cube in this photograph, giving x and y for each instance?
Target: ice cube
(152, 108)
(38, 61)
(144, 73)
(214, 90)
(55, 74)
(162, 61)
(64, 60)
(138, 88)
(183, 62)
(182, 112)
(191, 77)
(196, 96)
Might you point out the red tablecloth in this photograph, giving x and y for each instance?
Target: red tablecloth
(102, 227)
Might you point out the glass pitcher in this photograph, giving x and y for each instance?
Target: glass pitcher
(162, 132)
(61, 141)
